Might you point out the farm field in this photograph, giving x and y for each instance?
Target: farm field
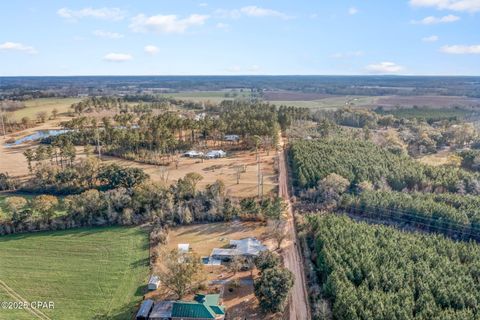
(208, 96)
(32, 107)
(87, 273)
(428, 101)
(330, 102)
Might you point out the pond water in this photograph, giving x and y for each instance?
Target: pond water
(36, 136)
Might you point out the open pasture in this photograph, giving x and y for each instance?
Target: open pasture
(34, 106)
(87, 273)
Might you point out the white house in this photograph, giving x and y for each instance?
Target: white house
(153, 283)
(247, 247)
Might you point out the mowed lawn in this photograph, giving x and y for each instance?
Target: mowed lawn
(87, 273)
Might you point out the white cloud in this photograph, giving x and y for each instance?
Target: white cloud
(349, 54)
(113, 14)
(117, 57)
(433, 38)
(15, 46)
(254, 68)
(222, 26)
(203, 4)
(352, 11)
(461, 49)
(166, 23)
(251, 11)
(384, 67)
(454, 5)
(107, 34)
(151, 49)
(436, 20)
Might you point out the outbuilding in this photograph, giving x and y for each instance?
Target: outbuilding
(153, 283)
(145, 309)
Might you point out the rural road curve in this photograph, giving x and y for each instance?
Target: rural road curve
(298, 301)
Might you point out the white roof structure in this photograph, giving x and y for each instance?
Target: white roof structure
(154, 280)
(232, 137)
(193, 153)
(243, 247)
(183, 247)
(216, 154)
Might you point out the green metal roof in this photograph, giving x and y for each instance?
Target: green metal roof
(204, 306)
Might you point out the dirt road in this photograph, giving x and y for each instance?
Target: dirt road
(298, 302)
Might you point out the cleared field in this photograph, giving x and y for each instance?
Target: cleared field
(32, 107)
(209, 96)
(224, 169)
(428, 101)
(331, 102)
(437, 159)
(204, 237)
(87, 273)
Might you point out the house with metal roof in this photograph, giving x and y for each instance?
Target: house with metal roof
(247, 248)
(203, 307)
(145, 309)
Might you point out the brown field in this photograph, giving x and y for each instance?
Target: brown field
(429, 101)
(204, 237)
(13, 161)
(293, 96)
(437, 159)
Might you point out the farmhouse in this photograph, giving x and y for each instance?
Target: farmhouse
(203, 307)
(247, 248)
(153, 283)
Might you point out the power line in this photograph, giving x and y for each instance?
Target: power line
(428, 222)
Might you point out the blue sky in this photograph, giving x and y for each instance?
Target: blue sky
(203, 37)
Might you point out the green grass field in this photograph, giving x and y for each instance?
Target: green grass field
(34, 106)
(87, 273)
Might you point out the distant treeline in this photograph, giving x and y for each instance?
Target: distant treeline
(337, 85)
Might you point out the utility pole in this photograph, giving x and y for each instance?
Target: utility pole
(258, 178)
(3, 123)
(261, 184)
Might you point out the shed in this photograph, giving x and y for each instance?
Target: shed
(183, 247)
(216, 154)
(153, 282)
(145, 309)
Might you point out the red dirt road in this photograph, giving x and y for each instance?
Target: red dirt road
(298, 301)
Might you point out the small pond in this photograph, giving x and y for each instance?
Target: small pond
(38, 135)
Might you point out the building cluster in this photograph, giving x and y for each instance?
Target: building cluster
(202, 307)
